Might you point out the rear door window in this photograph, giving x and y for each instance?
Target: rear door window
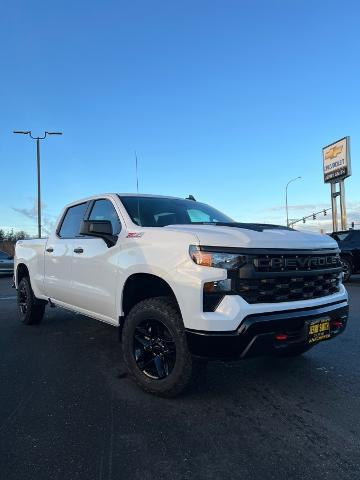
(70, 227)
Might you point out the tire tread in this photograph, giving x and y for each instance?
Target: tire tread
(187, 373)
(36, 308)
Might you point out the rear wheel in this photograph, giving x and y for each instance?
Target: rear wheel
(31, 310)
(155, 347)
(347, 269)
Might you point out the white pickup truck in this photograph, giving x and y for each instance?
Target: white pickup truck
(183, 282)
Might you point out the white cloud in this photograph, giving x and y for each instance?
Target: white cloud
(31, 213)
(305, 206)
(303, 210)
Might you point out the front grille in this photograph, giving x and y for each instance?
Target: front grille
(287, 288)
(278, 276)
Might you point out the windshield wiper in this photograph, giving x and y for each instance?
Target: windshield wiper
(257, 227)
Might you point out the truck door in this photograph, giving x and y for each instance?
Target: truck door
(94, 266)
(59, 254)
(355, 248)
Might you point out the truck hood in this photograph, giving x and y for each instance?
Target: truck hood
(256, 236)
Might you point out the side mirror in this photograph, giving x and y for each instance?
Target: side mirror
(11, 257)
(99, 228)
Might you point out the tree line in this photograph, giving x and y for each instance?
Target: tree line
(11, 236)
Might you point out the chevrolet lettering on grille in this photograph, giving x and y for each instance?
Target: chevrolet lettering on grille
(300, 262)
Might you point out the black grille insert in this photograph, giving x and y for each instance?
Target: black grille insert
(287, 288)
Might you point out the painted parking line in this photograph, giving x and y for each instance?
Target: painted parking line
(8, 298)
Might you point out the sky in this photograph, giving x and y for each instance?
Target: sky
(225, 100)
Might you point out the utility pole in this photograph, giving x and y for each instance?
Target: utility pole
(286, 199)
(38, 169)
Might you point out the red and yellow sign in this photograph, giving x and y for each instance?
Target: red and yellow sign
(336, 160)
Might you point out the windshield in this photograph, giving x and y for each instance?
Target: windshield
(162, 211)
(340, 237)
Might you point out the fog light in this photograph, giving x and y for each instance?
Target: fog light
(218, 286)
(336, 324)
(214, 292)
(281, 337)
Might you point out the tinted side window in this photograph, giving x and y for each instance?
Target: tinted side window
(105, 210)
(70, 226)
(355, 239)
(3, 255)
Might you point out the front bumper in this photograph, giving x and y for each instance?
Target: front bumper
(256, 334)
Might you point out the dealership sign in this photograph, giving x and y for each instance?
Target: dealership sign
(336, 161)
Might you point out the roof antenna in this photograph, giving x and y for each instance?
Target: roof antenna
(137, 176)
(137, 188)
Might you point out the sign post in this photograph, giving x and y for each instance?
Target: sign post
(334, 194)
(337, 167)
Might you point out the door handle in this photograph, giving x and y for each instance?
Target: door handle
(78, 250)
(50, 249)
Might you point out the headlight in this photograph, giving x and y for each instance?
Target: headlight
(207, 258)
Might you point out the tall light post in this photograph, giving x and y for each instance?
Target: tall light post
(286, 199)
(38, 169)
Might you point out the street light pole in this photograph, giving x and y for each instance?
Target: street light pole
(38, 186)
(286, 199)
(38, 170)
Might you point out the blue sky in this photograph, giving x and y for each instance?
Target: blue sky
(226, 100)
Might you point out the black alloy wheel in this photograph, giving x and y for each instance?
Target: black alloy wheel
(31, 310)
(23, 299)
(154, 349)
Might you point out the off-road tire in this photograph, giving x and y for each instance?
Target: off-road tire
(164, 310)
(30, 309)
(347, 269)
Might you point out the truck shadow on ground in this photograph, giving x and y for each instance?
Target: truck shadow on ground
(300, 377)
(232, 418)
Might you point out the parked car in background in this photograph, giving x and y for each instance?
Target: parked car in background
(6, 263)
(349, 244)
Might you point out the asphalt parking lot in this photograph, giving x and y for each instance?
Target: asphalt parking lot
(67, 411)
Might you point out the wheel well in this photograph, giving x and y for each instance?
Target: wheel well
(347, 257)
(21, 272)
(140, 286)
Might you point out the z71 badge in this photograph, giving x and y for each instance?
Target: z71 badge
(134, 234)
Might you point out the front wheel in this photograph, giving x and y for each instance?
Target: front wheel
(347, 269)
(155, 348)
(31, 310)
